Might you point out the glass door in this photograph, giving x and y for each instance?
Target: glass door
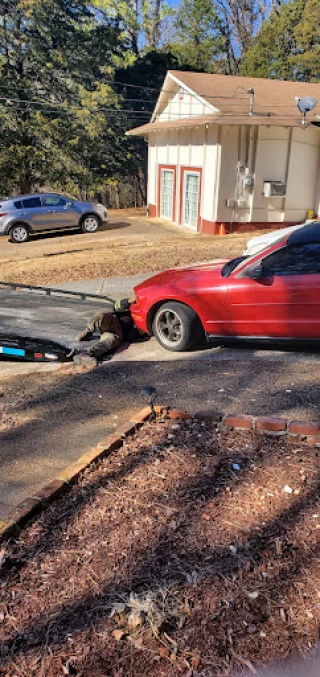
(166, 204)
(191, 199)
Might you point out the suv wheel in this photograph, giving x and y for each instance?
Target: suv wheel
(90, 223)
(19, 233)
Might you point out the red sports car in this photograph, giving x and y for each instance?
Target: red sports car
(271, 295)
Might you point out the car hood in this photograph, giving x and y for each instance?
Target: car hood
(84, 205)
(176, 275)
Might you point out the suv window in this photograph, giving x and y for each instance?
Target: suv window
(303, 260)
(18, 204)
(31, 202)
(53, 201)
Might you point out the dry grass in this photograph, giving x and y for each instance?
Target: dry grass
(62, 260)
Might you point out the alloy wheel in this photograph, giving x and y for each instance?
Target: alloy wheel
(90, 224)
(169, 326)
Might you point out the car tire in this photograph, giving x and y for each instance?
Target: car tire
(177, 327)
(19, 233)
(90, 223)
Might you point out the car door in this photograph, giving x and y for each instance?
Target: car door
(60, 212)
(33, 212)
(284, 301)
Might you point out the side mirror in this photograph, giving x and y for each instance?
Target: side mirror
(69, 204)
(257, 273)
(254, 272)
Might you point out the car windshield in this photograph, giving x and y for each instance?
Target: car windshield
(230, 266)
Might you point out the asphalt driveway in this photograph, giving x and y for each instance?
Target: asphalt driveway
(71, 414)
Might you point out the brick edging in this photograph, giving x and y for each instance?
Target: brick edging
(306, 431)
(303, 431)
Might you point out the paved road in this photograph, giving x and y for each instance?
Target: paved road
(69, 418)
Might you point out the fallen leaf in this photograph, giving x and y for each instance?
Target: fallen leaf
(164, 652)
(195, 661)
(253, 595)
(118, 634)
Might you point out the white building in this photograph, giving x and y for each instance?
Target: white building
(231, 152)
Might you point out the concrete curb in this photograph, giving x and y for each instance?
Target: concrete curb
(301, 431)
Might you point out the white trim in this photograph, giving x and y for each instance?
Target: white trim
(190, 172)
(159, 99)
(162, 216)
(163, 92)
(191, 91)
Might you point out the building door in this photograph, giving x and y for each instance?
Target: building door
(191, 199)
(166, 202)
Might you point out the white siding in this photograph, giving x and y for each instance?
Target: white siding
(303, 174)
(185, 142)
(270, 165)
(267, 153)
(197, 147)
(173, 143)
(152, 169)
(210, 174)
(185, 107)
(162, 143)
(228, 174)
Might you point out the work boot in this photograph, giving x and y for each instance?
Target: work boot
(83, 335)
(85, 360)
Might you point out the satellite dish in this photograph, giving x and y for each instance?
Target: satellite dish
(305, 105)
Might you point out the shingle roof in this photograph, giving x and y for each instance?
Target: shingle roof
(274, 101)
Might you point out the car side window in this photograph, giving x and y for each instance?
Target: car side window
(53, 201)
(18, 204)
(31, 203)
(299, 260)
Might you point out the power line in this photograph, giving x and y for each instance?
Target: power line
(133, 115)
(66, 110)
(233, 101)
(68, 107)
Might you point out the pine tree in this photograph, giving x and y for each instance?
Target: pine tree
(287, 46)
(56, 61)
(306, 61)
(199, 42)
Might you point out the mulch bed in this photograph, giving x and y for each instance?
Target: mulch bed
(191, 551)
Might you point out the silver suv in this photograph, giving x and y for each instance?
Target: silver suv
(21, 216)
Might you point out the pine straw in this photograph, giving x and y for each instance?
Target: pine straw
(165, 559)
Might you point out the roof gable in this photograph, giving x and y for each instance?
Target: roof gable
(226, 99)
(173, 91)
(230, 94)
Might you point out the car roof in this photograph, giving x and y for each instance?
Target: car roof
(22, 197)
(305, 235)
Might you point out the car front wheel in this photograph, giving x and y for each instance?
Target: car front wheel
(90, 223)
(19, 233)
(177, 327)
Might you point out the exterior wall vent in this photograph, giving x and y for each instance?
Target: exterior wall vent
(274, 189)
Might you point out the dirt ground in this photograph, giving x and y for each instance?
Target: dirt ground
(191, 551)
(129, 245)
(17, 391)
